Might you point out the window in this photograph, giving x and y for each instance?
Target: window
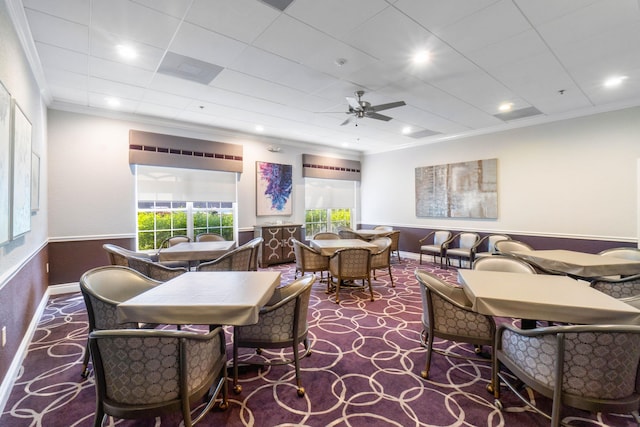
(174, 201)
(328, 204)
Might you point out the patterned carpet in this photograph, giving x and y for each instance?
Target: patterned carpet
(364, 371)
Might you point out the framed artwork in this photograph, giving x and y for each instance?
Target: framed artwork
(458, 190)
(35, 182)
(21, 212)
(274, 183)
(5, 151)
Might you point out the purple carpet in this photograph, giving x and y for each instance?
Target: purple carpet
(364, 371)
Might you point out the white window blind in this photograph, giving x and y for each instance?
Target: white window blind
(329, 194)
(177, 184)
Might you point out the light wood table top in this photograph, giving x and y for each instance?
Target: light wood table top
(329, 247)
(196, 251)
(580, 264)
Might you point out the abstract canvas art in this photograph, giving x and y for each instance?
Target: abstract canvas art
(458, 190)
(274, 184)
(21, 214)
(5, 150)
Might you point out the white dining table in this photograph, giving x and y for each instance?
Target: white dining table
(203, 298)
(580, 264)
(543, 297)
(330, 246)
(196, 251)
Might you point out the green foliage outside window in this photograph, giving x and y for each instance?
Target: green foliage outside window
(318, 220)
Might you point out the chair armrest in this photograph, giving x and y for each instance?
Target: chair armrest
(426, 237)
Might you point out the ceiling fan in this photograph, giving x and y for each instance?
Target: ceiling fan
(361, 109)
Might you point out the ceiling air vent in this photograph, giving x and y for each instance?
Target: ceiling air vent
(518, 114)
(188, 68)
(281, 5)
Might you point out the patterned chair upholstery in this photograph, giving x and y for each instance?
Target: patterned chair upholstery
(309, 259)
(621, 288)
(209, 237)
(381, 258)
(155, 270)
(487, 246)
(433, 244)
(282, 323)
(238, 259)
(255, 244)
(395, 243)
(350, 264)
(326, 235)
(346, 233)
(447, 314)
(460, 246)
(145, 373)
(119, 255)
(103, 288)
(589, 367)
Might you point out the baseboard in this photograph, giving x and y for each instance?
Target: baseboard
(65, 288)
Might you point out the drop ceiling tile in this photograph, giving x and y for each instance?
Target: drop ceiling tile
(66, 79)
(242, 20)
(512, 49)
(220, 50)
(71, 10)
(435, 14)
(325, 59)
(335, 17)
(133, 21)
(63, 59)
(103, 45)
(99, 100)
(114, 89)
(540, 12)
(175, 8)
(70, 95)
(67, 34)
(165, 99)
(126, 74)
(155, 110)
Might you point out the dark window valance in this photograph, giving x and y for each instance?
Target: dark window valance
(330, 168)
(155, 149)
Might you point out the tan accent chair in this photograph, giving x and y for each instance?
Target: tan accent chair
(381, 258)
(238, 259)
(510, 245)
(487, 246)
(326, 235)
(461, 246)
(309, 259)
(155, 270)
(506, 263)
(209, 237)
(146, 373)
(350, 264)
(282, 323)
(447, 314)
(434, 244)
(589, 367)
(103, 288)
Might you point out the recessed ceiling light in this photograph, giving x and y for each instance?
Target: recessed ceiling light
(421, 56)
(127, 52)
(259, 128)
(506, 106)
(614, 81)
(112, 102)
(406, 130)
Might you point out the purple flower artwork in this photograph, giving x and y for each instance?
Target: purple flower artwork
(274, 185)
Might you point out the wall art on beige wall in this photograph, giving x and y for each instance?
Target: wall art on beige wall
(21, 212)
(5, 151)
(458, 190)
(274, 183)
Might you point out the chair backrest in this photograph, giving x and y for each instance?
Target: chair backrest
(504, 263)
(326, 235)
(351, 263)
(307, 258)
(441, 236)
(155, 270)
(209, 237)
(509, 246)
(119, 255)
(492, 239)
(632, 254)
(591, 367)
(466, 240)
(238, 259)
(173, 240)
(395, 240)
(624, 287)
(144, 373)
(349, 234)
(383, 227)
(382, 256)
(103, 288)
(255, 244)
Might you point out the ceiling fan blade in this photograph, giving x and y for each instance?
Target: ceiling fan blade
(387, 106)
(345, 122)
(378, 116)
(354, 104)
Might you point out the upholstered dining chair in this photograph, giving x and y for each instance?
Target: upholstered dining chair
(486, 246)
(632, 254)
(505, 263)
(434, 244)
(395, 243)
(349, 234)
(309, 260)
(460, 246)
(620, 288)
(383, 227)
(447, 314)
(103, 288)
(209, 237)
(238, 259)
(120, 256)
(282, 323)
(589, 367)
(381, 258)
(509, 246)
(146, 373)
(255, 244)
(155, 270)
(350, 264)
(326, 235)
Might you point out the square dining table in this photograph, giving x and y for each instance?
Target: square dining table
(196, 251)
(543, 297)
(580, 264)
(330, 246)
(203, 298)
